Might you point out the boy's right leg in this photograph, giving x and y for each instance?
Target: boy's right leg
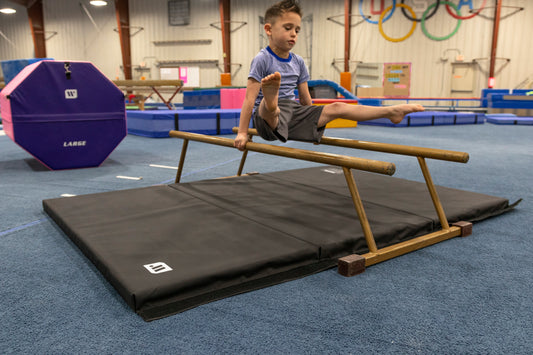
(364, 113)
(268, 109)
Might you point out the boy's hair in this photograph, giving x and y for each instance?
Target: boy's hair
(281, 8)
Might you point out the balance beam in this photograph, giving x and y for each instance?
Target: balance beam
(130, 85)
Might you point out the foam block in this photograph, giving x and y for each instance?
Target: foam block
(232, 98)
(509, 119)
(201, 99)
(431, 118)
(486, 95)
(157, 123)
(66, 114)
(10, 68)
(339, 122)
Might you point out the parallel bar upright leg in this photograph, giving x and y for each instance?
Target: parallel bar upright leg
(182, 160)
(433, 193)
(369, 237)
(241, 165)
(243, 159)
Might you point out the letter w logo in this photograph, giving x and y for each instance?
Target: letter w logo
(157, 268)
(71, 94)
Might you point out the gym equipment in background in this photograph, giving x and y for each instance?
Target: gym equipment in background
(66, 114)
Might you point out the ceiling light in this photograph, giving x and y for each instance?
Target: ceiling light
(98, 2)
(8, 10)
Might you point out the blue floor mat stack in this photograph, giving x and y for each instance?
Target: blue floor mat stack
(431, 118)
(509, 119)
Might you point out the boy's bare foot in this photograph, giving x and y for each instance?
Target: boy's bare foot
(270, 86)
(398, 112)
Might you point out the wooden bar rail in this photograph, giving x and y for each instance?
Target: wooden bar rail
(301, 154)
(449, 155)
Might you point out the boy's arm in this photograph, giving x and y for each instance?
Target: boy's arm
(304, 95)
(252, 90)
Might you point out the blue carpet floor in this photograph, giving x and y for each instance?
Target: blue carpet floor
(464, 296)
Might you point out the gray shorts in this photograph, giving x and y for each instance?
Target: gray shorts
(295, 122)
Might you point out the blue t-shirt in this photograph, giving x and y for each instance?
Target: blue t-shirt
(293, 72)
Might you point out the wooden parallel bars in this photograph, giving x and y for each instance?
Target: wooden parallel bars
(350, 265)
(431, 153)
(354, 264)
(301, 154)
(343, 161)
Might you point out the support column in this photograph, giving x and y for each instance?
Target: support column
(495, 32)
(346, 76)
(225, 24)
(36, 18)
(123, 23)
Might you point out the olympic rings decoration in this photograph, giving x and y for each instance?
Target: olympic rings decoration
(459, 17)
(380, 23)
(428, 17)
(452, 9)
(423, 22)
(375, 22)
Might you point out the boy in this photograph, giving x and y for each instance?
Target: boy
(274, 74)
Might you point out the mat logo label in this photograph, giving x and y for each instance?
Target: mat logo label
(75, 144)
(71, 94)
(157, 268)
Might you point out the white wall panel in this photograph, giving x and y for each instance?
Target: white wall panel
(78, 38)
(152, 17)
(15, 36)
(245, 41)
(72, 35)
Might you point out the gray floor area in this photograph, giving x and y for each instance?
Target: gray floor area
(469, 295)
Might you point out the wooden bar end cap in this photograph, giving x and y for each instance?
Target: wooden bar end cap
(466, 228)
(351, 265)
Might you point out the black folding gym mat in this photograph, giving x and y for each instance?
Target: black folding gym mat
(170, 248)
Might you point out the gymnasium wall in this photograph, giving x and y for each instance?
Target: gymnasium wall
(74, 34)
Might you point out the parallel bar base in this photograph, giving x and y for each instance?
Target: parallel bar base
(351, 265)
(411, 245)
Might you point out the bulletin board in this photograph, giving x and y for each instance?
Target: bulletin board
(396, 79)
(189, 75)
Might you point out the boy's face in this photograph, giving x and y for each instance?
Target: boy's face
(283, 33)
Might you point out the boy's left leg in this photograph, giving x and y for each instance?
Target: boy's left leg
(268, 108)
(365, 113)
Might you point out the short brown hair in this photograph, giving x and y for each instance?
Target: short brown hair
(281, 8)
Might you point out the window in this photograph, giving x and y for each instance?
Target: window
(179, 12)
